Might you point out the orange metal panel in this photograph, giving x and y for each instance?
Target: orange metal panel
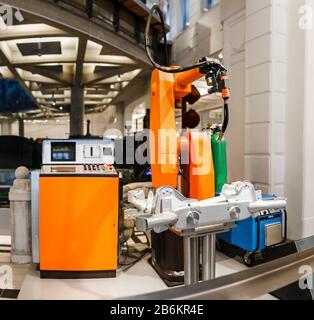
(78, 222)
(165, 89)
(184, 81)
(199, 174)
(164, 160)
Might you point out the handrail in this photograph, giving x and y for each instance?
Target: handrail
(245, 285)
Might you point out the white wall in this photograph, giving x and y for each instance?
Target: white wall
(111, 118)
(266, 89)
(206, 36)
(176, 17)
(235, 59)
(294, 170)
(276, 76)
(53, 129)
(202, 38)
(8, 127)
(301, 136)
(130, 109)
(58, 129)
(228, 8)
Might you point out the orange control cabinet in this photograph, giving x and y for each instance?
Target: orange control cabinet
(78, 225)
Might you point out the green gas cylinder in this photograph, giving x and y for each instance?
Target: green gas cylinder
(219, 149)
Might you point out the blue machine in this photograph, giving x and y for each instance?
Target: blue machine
(265, 230)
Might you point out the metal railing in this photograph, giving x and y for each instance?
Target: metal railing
(245, 285)
(114, 15)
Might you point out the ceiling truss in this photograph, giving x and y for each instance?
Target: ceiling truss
(103, 61)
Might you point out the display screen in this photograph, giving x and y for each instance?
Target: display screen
(63, 151)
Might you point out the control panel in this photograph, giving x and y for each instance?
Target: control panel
(99, 168)
(81, 151)
(86, 169)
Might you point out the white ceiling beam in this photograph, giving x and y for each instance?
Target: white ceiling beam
(38, 30)
(60, 77)
(103, 75)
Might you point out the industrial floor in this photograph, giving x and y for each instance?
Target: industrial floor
(139, 279)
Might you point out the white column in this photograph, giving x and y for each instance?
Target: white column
(266, 88)
(294, 171)
(308, 144)
(233, 18)
(277, 123)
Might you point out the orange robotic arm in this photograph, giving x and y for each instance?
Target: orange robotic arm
(166, 88)
(168, 85)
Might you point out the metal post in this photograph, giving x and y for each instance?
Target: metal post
(209, 257)
(21, 128)
(191, 260)
(205, 259)
(187, 261)
(195, 259)
(212, 260)
(77, 111)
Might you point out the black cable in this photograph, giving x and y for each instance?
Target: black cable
(127, 254)
(226, 117)
(127, 248)
(145, 252)
(155, 8)
(226, 120)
